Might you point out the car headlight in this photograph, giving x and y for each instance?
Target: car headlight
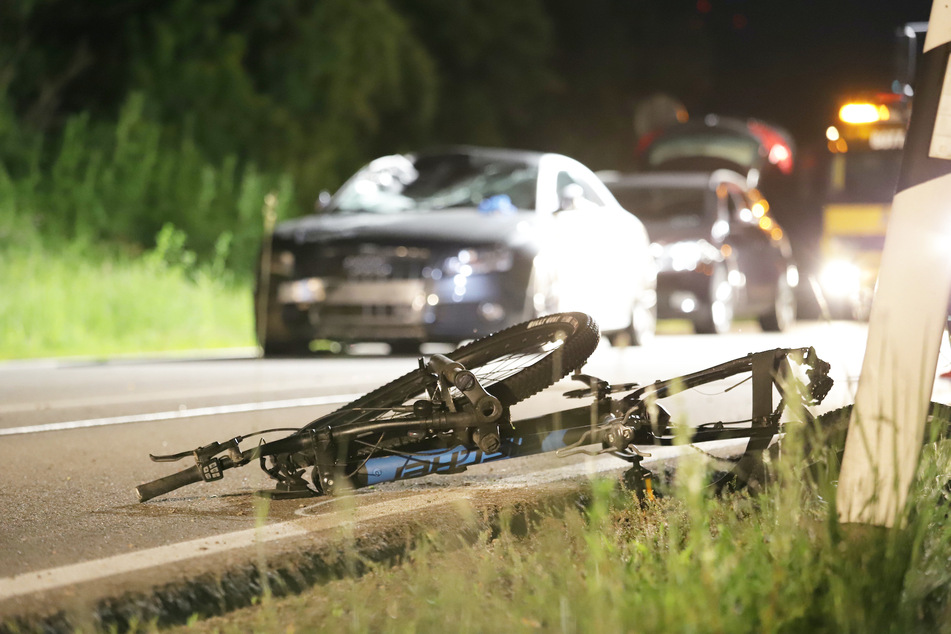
(478, 261)
(792, 276)
(689, 254)
(840, 278)
(282, 263)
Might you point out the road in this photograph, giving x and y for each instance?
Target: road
(75, 437)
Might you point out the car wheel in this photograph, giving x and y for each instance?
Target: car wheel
(540, 295)
(716, 317)
(403, 347)
(782, 314)
(641, 330)
(297, 348)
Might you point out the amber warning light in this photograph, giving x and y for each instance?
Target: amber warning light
(863, 113)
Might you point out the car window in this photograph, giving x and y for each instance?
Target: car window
(444, 181)
(678, 205)
(692, 148)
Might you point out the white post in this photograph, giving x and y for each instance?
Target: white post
(910, 305)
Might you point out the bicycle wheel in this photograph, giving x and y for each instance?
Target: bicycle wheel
(511, 364)
(825, 443)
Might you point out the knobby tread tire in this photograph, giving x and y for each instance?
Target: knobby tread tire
(581, 336)
(832, 427)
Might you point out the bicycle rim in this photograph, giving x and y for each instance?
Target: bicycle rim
(511, 364)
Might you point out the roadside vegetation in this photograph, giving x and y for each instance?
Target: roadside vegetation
(777, 561)
(139, 142)
(118, 119)
(124, 239)
(75, 298)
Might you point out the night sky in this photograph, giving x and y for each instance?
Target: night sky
(790, 61)
(786, 62)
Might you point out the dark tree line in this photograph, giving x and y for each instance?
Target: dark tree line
(316, 87)
(231, 96)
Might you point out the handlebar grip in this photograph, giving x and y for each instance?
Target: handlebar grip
(156, 488)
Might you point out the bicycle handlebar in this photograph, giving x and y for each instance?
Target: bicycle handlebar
(210, 467)
(158, 487)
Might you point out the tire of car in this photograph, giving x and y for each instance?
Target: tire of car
(285, 348)
(716, 316)
(641, 330)
(782, 314)
(540, 296)
(403, 347)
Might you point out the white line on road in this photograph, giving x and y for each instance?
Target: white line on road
(182, 413)
(54, 578)
(176, 395)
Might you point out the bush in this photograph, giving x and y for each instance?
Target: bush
(79, 298)
(123, 182)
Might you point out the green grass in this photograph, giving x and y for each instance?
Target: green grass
(777, 561)
(65, 299)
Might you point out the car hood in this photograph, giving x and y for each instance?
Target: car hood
(456, 225)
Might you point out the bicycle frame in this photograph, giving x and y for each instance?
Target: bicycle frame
(483, 432)
(606, 420)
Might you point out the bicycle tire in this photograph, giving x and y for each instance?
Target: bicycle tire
(511, 364)
(831, 429)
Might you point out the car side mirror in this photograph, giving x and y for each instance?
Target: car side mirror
(323, 199)
(569, 197)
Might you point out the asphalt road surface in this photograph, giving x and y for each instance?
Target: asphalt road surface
(75, 437)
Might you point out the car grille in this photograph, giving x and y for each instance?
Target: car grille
(369, 311)
(363, 262)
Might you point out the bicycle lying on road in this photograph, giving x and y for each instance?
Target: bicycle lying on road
(454, 411)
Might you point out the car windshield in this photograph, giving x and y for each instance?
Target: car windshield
(394, 184)
(734, 149)
(680, 205)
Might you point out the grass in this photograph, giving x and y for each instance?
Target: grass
(776, 561)
(79, 298)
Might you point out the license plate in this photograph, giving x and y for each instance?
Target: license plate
(306, 291)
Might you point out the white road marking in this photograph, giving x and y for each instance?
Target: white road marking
(54, 578)
(182, 413)
(135, 396)
(204, 354)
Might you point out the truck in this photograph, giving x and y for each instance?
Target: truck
(863, 160)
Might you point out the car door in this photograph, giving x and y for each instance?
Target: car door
(757, 257)
(596, 248)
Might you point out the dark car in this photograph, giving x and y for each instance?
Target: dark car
(449, 245)
(720, 253)
(760, 150)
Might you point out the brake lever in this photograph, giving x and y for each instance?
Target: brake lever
(170, 457)
(597, 387)
(203, 454)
